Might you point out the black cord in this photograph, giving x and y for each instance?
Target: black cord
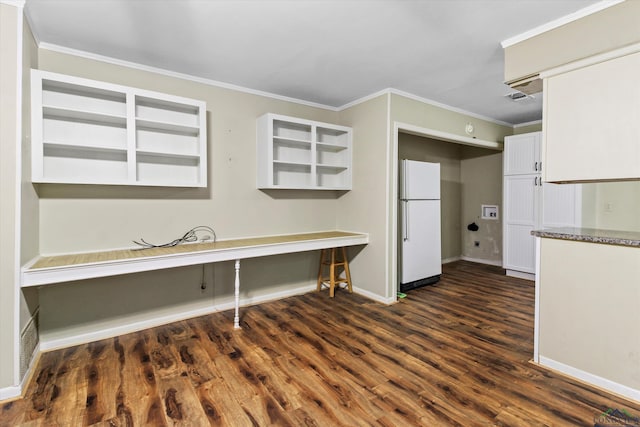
(189, 236)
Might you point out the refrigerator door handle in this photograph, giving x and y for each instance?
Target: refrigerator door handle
(405, 223)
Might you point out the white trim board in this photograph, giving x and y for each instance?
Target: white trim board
(482, 261)
(54, 344)
(10, 392)
(390, 247)
(446, 136)
(520, 274)
(589, 378)
(183, 76)
(591, 60)
(14, 3)
(589, 10)
(374, 297)
(216, 83)
(448, 107)
(531, 123)
(67, 273)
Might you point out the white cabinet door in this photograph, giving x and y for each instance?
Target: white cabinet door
(522, 154)
(591, 118)
(561, 205)
(520, 216)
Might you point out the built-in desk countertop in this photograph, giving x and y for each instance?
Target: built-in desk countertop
(48, 270)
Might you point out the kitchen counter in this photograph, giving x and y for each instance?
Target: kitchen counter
(591, 235)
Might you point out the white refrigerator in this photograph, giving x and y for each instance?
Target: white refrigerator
(420, 259)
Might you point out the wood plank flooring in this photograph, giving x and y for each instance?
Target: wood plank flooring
(453, 354)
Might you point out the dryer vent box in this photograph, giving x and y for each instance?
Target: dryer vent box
(489, 212)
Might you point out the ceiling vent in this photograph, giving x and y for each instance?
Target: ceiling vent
(518, 96)
(529, 85)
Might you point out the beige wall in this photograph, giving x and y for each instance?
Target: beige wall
(535, 127)
(589, 317)
(600, 32)
(416, 113)
(30, 205)
(481, 185)
(611, 205)
(471, 177)
(85, 218)
(81, 218)
(10, 51)
(365, 207)
(414, 147)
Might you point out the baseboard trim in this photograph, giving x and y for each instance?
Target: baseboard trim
(594, 380)
(452, 259)
(520, 274)
(12, 392)
(15, 392)
(54, 344)
(374, 297)
(482, 261)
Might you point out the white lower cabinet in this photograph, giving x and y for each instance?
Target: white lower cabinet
(519, 219)
(530, 204)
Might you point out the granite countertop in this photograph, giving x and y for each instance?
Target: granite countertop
(591, 235)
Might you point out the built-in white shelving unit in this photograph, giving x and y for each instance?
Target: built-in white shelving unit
(302, 154)
(91, 132)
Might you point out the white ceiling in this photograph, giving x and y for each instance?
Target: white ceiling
(330, 52)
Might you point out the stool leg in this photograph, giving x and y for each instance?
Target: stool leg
(322, 252)
(332, 273)
(346, 269)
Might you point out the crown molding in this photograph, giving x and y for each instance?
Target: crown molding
(449, 107)
(215, 83)
(589, 10)
(531, 123)
(168, 73)
(15, 3)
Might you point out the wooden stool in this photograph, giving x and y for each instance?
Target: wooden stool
(334, 275)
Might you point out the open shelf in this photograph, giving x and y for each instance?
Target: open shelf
(330, 147)
(158, 168)
(49, 112)
(302, 154)
(331, 167)
(72, 164)
(50, 146)
(83, 131)
(291, 142)
(291, 175)
(177, 128)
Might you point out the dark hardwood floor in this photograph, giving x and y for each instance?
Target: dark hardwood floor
(453, 354)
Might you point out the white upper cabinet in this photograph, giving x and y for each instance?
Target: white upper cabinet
(523, 154)
(295, 153)
(592, 122)
(90, 132)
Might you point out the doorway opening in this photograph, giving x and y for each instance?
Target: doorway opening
(471, 176)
